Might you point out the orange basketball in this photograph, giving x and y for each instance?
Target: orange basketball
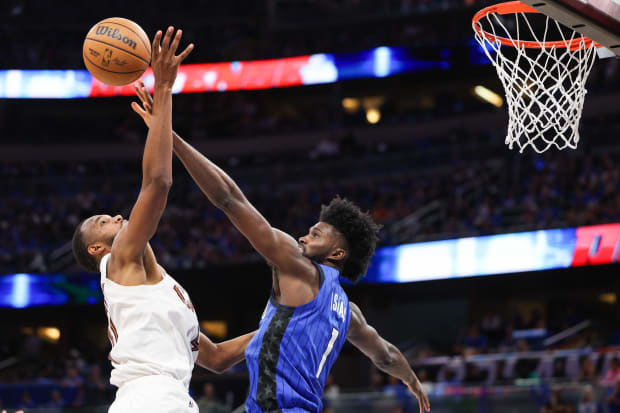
(116, 51)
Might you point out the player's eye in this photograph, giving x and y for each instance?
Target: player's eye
(315, 235)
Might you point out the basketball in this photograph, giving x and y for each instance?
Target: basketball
(116, 51)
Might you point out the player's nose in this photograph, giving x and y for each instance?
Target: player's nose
(118, 218)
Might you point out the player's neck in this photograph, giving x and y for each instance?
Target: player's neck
(330, 263)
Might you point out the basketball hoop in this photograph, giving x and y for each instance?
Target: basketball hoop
(544, 80)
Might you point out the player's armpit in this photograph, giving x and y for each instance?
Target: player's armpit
(366, 339)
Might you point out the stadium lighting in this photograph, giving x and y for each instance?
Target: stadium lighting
(489, 96)
(351, 105)
(51, 334)
(373, 115)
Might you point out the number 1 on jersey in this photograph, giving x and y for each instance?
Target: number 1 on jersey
(328, 350)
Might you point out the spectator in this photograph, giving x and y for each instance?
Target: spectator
(376, 381)
(474, 343)
(75, 386)
(427, 385)
(613, 373)
(556, 405)
(474, 374)
(508, 343)
(72, 378)
(587, 371)
(209, 402)
(26, 401)
(331, 388)
(95, 388)
(587, 404)
(56, 402)
(395, 388)
(613, 401)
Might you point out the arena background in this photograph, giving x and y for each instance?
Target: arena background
(509, 323)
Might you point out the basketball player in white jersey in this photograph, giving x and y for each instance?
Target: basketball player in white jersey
(153, 327)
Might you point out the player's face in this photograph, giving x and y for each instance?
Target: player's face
(320, 242)
(104, 227)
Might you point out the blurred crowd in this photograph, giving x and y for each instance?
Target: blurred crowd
(72, 373)
(473, 185)
(228, 31)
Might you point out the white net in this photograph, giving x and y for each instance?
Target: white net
(544, 80)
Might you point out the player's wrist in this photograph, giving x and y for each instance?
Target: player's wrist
(163, 86)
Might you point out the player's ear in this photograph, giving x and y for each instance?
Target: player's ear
(338, 254)
(95, 248)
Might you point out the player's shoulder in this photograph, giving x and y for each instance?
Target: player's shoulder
(125, 271)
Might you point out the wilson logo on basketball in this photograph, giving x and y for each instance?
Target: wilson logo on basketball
(115, 34)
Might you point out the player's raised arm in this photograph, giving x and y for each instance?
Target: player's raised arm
(277, 247)
(219, 357)
(157, 159)
(384, 354)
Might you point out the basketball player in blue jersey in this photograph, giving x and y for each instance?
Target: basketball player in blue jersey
(308, 316)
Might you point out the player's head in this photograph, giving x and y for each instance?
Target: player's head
(344, 236)
(93, 239)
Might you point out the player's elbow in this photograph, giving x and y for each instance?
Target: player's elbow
(218, 368)
(161, 182)
(223, 200)
(387, 357)
(214, 360)
(385, 360)
(213, 365)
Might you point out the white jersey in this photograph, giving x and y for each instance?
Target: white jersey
(153, 329)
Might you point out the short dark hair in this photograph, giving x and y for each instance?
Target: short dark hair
(80, 250)
(359, 230)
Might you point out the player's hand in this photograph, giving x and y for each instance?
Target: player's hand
(146, 109)
(416, 389)
(163, 60)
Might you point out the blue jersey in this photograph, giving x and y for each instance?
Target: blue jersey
(294, 349)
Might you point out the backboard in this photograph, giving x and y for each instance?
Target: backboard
(597, 19)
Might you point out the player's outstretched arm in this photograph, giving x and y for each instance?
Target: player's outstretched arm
(219, 357)
(276, 246)
(157, 159)
(384, 354)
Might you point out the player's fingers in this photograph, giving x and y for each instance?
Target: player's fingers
(165, 44)
(147, 96)
(156, 42)
(138, 109)
(175, 42)
(144, 96)
(185, 53)
(138, 92)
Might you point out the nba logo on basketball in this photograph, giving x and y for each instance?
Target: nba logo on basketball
(107, 55)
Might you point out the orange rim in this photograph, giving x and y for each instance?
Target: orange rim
(513, 7)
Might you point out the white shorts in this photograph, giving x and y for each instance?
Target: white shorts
(153, 394)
